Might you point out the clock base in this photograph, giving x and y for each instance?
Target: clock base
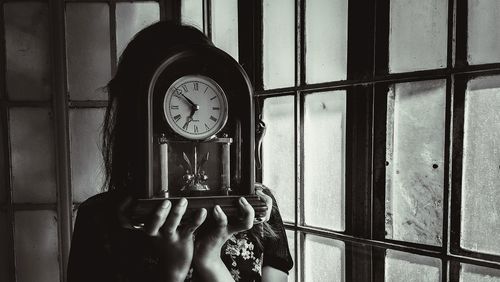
(143, 208)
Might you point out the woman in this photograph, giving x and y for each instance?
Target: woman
(105, 247)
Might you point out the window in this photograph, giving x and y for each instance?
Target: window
(382, 127)
(57, 63)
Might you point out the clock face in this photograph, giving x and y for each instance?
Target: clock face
(195, 107)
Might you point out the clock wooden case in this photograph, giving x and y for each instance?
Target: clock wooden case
(200, 133)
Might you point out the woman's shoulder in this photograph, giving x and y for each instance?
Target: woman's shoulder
(101, 206)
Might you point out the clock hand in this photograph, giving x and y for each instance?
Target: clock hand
(190, 117)
(195, 107)
(188, 120)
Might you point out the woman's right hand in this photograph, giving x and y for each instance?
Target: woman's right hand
(174, 242)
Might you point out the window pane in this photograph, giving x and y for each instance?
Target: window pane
(32, 153)
(132, 17)
(27, 50)
(324, 155)
(400, 266)
(474, 273)
(36, 245)
(278, 169)
(326, 40)
(279, 43)
(324, 259)
(480, 177)
(483, 31)
(87, 170)
(290, 234)
(415, 161)
(88, 50)
(192, 13)
(225, 26)
(5, 248)
(415, 28)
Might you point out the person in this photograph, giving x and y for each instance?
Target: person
(106, 247)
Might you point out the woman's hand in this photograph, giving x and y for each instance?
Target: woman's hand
(208, 244)
(174, 242)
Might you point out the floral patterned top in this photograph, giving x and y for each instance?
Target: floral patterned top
(102, 250)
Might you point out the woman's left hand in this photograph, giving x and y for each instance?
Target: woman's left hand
(208, 244)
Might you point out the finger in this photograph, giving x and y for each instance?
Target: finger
(247, 219)
(220, 217)
(200, 217)
(174, 218)
(158, 218)
(269, 203)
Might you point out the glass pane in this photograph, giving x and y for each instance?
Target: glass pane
(474, 273)
(33, 156)
(483, 27)
(480, 177)
(400, 266)
(225, 26)
(88, 50)
(5, 248)
(36, 245)
(278, 151)
(324, 158)
(132, 17)
(415, 28)
(192, 13)
(279, 43)
(326, 40)
(87, 170)
(27, 50)
(324, 259)
(291, 245)
(415, 161)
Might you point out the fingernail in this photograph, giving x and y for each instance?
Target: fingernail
(165, 204)
(243, 201)
(218, 209)
(182, 202)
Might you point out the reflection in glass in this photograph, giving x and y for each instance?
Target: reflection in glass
(225, 26)
(415, 161)
(192, 13)
(27, 50)
(324, 158)
(480, 215)
(474, 273)
(400, 266)
(278, 152)
(36, 245)
(87, 170)
(326, 40)
(416, 27)
(88, 50)
(324, 259)
(32, 155)
(132, 17)
(483, 37)
(278, 43)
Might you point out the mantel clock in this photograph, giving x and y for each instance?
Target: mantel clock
(200, 135)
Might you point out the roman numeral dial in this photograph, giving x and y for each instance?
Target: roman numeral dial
(195, 107)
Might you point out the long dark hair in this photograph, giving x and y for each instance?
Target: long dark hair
(124, 147)
(124, 128)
